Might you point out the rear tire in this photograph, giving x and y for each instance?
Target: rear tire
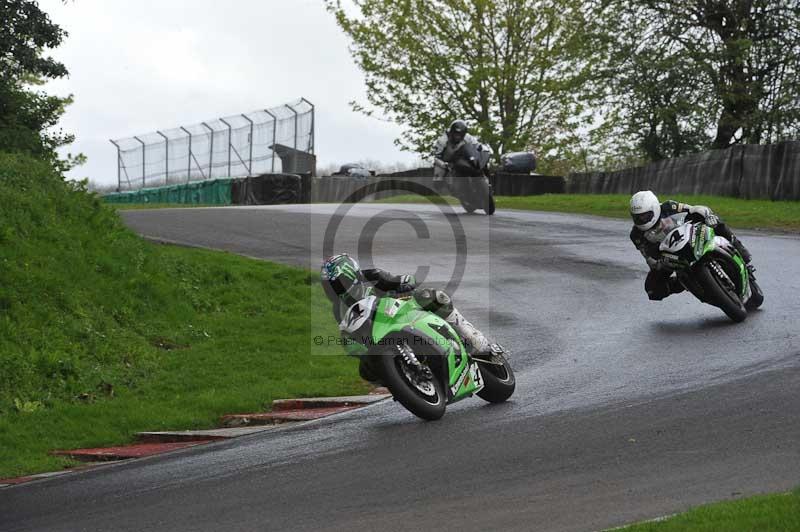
(488, 201)
(490, 207)
(757, 298)
(498, 381)
(428, 408)
(483, 195)
(719, 295)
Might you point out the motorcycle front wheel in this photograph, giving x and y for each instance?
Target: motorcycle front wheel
(467, 206)
(422, 397)
(718, 293)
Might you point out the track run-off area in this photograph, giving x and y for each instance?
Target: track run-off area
(625, 409)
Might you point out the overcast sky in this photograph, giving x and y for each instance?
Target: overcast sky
(138, 66)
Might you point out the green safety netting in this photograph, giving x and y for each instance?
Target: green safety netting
(212, 192)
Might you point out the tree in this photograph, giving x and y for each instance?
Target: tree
(682, 76)
(510, 67)
(27, 115)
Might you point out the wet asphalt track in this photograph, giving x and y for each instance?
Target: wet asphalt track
(625, 409)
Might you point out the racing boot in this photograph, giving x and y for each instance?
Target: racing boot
(723, 230)
(743, 251)
(475, 340)
(368, 373)
(675, 286)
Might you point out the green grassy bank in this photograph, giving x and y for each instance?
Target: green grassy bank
(739, 213)
(103, 334)
(765, 513)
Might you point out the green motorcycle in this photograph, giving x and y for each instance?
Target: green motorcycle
(420, 358)
(711, 268)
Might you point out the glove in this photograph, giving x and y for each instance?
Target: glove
(407, 284)
(660, 264)
(708, 215)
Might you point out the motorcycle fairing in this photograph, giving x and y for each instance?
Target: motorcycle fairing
(460, 376)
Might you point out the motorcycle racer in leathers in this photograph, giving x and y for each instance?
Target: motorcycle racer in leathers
(653, 220)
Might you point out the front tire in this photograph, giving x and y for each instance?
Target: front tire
(498, 381)
(467, 206)
(429, 406)
(720, 295)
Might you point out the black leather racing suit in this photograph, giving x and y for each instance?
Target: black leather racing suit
(386, 283)
(661, 282)
(462, 157)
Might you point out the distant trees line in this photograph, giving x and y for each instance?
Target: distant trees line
(589, 84)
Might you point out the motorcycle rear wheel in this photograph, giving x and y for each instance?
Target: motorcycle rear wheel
(483, 195)
(720, 295)
(498, 381)
(757, 298)
(490, 207)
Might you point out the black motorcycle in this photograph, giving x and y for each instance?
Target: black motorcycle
(467, 178)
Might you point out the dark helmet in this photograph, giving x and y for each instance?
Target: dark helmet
(457, 131)
(342, 278)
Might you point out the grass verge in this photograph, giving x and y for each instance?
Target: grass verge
(739, 213)
(779, 512)
(103, 334)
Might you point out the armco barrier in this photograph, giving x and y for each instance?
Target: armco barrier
(271, 189)
(328, 189)
(332, 189)
(749, 171)
(526, 185)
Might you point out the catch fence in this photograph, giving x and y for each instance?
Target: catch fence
(232, 146)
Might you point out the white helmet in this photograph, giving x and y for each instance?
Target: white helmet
(645, 210)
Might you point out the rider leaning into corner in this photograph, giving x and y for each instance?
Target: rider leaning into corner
(456, 149)
(345, 284)
(652, 221)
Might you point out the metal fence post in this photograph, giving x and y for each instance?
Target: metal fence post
(229, 144)
(189, 157)
(143, 161)
(119, 166)
(311, 139)
(295, 124)
(250, 164)
(274, 132)
(210, 150)
(248, 160)
(166, 157)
